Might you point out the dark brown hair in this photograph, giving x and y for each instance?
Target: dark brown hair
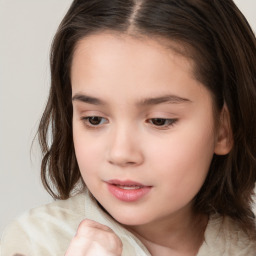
(222, 45)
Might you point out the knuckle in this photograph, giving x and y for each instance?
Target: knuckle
(94, 235)
(78, 242)
(91, 232)
(114, 240)
(86, 222)
(85, 228)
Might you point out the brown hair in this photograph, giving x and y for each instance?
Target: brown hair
(223, 47)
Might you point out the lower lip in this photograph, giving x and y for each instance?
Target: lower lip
(128, 195)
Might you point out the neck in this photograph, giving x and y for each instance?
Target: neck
(173, 235)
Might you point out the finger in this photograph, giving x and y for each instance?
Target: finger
(95, 242)
(94, 236)
(79, 246)
(87, 223)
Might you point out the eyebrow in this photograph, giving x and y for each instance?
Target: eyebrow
(87, 99)
(171, 99)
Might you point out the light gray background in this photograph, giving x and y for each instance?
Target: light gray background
(26, 31)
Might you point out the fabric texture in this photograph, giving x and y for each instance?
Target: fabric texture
(48, 230)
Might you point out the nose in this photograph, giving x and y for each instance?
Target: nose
(124, 148)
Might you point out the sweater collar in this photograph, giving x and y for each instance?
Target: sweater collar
(131, 244)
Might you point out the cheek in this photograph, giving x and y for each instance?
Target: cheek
(88, 151)
(183, 163)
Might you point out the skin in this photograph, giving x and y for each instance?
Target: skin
(94, 239)
(126, 143)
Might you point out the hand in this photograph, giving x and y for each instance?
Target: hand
(94, 239)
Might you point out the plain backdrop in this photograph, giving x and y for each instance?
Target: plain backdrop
(26, 31)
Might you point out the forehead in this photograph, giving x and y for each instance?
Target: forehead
(110, 46)
(115, 65)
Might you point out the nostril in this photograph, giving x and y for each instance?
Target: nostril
(123, 150)
(131, 163)
(122, 162)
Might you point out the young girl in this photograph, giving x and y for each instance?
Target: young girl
(148, 135)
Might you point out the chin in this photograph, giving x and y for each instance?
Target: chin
(133, 219)
(130, 215)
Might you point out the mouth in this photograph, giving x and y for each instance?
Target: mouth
(129, 187)
(127, 183)
(128, 191)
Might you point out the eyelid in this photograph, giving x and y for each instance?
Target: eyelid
(170, 122)
(167, 122)
(87, 123)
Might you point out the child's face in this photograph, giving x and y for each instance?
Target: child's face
(140, 117)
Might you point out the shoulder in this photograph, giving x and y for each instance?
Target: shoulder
(44, 230)
(224, 237)
(53, 214)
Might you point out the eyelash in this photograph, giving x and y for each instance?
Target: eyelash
(88, 124)
(168, 122)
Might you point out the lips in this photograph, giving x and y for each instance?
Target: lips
(128, 191)
(129, 187)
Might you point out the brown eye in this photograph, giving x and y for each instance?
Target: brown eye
(162, 122)
(158, 121)
(95, 120)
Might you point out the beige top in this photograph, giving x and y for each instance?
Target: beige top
(48, 230)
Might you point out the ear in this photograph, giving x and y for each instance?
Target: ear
(224, 136)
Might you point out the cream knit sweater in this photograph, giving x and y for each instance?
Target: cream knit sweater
(48, 230)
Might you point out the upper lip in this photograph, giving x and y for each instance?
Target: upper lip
(125, 183)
